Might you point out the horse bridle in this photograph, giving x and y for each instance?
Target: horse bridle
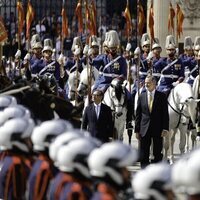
(118, 105)
(178, 111)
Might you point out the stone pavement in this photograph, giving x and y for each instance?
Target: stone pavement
(134, 143)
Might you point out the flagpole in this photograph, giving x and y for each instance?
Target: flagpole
(137, 23)
(177, 25)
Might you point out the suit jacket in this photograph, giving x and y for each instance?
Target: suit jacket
(101, 128)
(156, 120)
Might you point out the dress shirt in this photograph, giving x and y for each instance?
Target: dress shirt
(97, 109)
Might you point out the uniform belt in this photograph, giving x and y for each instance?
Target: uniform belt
(143, 73)
(156, 74)
(191, 77)
(110, 75)
(168, 76)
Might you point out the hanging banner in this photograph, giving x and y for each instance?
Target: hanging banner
(3, 32)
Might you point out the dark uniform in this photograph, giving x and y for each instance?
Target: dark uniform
(112, 68)
(53, 68)
(171, 71)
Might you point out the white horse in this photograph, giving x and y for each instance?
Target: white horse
(196, 90)
(182, 107)
(87, 77)
(116, 98)
(73, 81)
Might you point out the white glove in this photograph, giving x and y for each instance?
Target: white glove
(85, 50)
(175, 84)
(61, 59)
(198, 138)
(137, 51)
(128, 47)
(90, 51)
(150, 55)
(77, 50)
(27, 57)
(18, 54)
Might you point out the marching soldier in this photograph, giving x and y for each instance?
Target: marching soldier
(43, 169)
(112, 179)
(153, 58)
(171, 68)
(14, 143)
(145, 44)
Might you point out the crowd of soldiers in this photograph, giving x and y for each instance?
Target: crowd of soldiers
(52, 160)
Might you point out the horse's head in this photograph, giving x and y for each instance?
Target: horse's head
(73, 82)
(48, 84)
(87, 78)
(184, 101)
(118, 95)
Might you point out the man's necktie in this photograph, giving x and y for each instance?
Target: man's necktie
(97, 111)
(150, 101)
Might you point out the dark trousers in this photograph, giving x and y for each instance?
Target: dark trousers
(145, 144)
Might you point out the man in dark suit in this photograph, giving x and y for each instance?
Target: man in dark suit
(152, 121)
(97, 118)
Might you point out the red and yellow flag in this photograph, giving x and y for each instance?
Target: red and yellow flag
(127, 15)
(29, 18)
(141, 18)
(78, 13)
(93, 13)
(151, 22)
(64, 21)
(20, 12)
(171, 18)
(180, 18)
(89, 21)
(3, 32)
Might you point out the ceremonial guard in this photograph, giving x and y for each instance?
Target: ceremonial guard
(43, 169)
(47, 64)
(145, 44)
(108, 167)
(144, 67)
(94, 46)
(188, 49)
(190, 61)
(196, 45)
(72, 64)
(114, 65)
(36, 47)
(153, 57)
(14, 143)
(171, 68)
(77, 182)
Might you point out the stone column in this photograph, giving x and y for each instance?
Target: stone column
(161, 10)
(191, 25)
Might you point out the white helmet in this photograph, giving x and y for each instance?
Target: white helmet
(152, 182)
(44, 133)
(13, 131)
(17, 111)
(192, 178)
(61, 140)
(72, 158)
(6, 101)
(107, 161)
(178, 173)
